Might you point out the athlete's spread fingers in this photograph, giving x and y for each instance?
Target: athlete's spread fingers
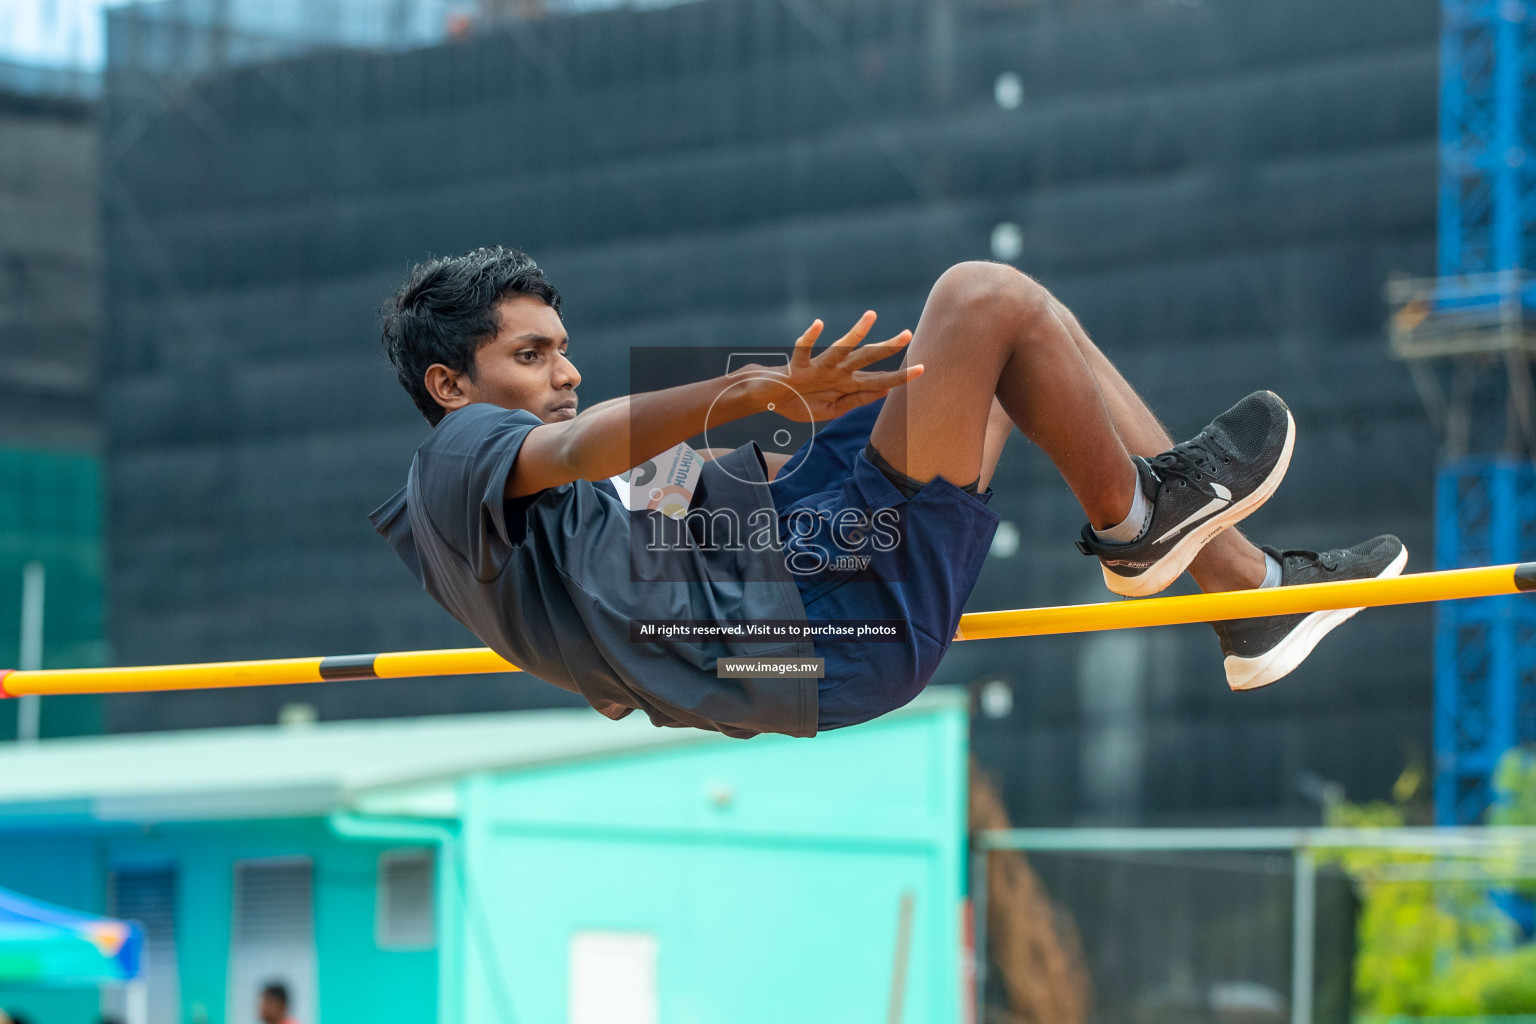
(876, 351)
(885, 380)
(802, 353)
(836, 351)
(873, 387)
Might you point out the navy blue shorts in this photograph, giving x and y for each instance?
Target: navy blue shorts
(862, 550)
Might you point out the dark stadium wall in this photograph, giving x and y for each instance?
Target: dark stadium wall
(50, 274)
(50, 437)
(1219, 190)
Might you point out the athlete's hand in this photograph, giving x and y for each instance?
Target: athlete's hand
(834, 381)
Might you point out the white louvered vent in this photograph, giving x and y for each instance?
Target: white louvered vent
(276, 903)
(273, 936)
(406, 908)
(148, 896)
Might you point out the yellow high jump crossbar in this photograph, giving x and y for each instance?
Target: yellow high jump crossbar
(1447, 585)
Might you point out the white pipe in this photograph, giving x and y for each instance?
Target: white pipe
(136, 1003)
(1471, 840)
(29, 711)
(1303, 935)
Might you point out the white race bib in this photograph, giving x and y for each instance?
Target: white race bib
(664, 484)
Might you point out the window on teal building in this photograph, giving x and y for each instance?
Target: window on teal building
(406, 917)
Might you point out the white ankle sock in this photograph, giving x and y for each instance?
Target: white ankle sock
(1135, 522)
(1271, 571)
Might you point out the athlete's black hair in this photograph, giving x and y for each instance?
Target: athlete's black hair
(447, 309)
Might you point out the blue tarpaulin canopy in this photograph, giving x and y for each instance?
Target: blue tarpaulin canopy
(41, 944)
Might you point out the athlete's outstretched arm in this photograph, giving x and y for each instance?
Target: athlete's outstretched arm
(613, 436)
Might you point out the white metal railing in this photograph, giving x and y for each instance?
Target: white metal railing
(1512, 851)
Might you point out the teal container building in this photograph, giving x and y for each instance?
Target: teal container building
(524, 868)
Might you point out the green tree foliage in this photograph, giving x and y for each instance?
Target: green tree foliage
(1437, 946)
(1514, 784)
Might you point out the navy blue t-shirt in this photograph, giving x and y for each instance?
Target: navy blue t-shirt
(551, 581)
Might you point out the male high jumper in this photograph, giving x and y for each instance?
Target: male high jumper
(510, 521)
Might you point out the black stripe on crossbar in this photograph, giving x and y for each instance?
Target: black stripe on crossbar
(1525, 576)
(348, 666)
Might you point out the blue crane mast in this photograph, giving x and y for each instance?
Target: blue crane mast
(1468, 342)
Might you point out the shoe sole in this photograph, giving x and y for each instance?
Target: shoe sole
(1172, 565)
(1252, 673)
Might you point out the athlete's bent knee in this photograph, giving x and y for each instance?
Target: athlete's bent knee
(995, 290)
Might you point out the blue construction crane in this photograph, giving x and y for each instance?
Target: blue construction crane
(1469, 336)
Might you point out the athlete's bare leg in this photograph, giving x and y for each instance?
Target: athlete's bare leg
(988, 332)
(1230, 561)
(999, 426)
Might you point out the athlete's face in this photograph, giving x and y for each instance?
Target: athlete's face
(523, 367)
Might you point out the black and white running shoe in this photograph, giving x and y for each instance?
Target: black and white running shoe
(1198, 489)
(1259, 651)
